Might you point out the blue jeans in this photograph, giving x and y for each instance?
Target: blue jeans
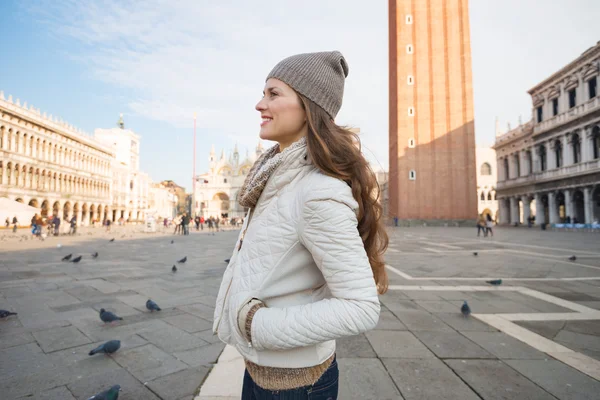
(326, 388)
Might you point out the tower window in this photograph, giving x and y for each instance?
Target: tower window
(410, 80)
(409, 19)
(411, 111)
(540, 114)
(409, 49)
(411, 143)
(412, 175)
(225, 180)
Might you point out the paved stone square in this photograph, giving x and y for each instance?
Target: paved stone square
(537, 336)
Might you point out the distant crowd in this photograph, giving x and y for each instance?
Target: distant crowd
(182, 223)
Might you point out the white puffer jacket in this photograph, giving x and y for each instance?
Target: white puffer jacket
(303, 257)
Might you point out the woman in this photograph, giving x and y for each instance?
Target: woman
(308, 264)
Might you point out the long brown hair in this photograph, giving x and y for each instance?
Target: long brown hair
(336, 151)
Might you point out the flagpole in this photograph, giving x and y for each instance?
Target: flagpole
(193, 211)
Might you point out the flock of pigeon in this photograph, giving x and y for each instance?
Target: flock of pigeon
(112, 346)
(107, 317)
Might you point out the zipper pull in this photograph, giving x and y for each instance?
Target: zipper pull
(240, 246)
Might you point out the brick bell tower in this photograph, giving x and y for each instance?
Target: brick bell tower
(432, 135)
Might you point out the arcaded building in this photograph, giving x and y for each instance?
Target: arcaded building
(549, 168)
(432, 136)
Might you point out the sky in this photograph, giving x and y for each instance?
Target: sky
(159, 61)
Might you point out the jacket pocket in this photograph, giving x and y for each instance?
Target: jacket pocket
(233, 318)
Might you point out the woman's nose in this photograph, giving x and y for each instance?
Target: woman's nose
(260, 106)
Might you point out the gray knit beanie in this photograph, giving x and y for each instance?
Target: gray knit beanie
(318, 76)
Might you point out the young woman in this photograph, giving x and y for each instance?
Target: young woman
(308, 264)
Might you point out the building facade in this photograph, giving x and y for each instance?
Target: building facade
(550, 167)
(217, 190)
(50, 165)
(162, 202)
(487, 179)
(432, 135)
(130, 186)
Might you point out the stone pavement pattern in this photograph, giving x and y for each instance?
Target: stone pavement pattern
(422, 347)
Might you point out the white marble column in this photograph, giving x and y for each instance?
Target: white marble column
(500, 169)
(5, 139)
(587, 150)
(514, 210)
(552, 208)
(587, 204)
(540, 217)
(523, 163)
(569, 203)
(79, 217)
(567, 143)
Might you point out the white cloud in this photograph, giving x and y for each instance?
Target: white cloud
(178, 57)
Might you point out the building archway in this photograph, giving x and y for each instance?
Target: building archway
(33, 203)
(84, 214)
(223, 204)
(76, 209)
(578, 208)
(560, 206)
(45, 207)
(546, 209)
(20, 200)
(596, 204)
(66, 211)
(56, 209)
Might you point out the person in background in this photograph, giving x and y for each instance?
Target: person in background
(15, 222)
(481, 226)
(489, 225)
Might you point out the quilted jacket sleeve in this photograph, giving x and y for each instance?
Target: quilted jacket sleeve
(328, 229)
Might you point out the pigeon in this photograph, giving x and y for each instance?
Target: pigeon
(184, 259)
(6, 314)
(95, 255)
(67, 257)
(152, 306)
(112, 240)
(76, 259)
(475, 253)
(465, 309)
(174, 269)
(227, 260)
(107, 348)
(495, 282)
(572, 258)
(107, 316)
(172, 241)
(110, 394)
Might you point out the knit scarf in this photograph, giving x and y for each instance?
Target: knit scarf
(261, 171)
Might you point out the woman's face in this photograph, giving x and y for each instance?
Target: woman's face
(283, 118)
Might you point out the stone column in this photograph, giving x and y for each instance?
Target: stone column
(514, 210)
(523, 163)
(568, 204)
(526, 208)
(587, 150)
(540, 217)
(587, 204)
(4, 139)
(500, 169)
(79, 217)
(536, 159)
(567, 143)
(552, 208)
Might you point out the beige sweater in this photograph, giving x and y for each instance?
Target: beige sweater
(272, 378)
